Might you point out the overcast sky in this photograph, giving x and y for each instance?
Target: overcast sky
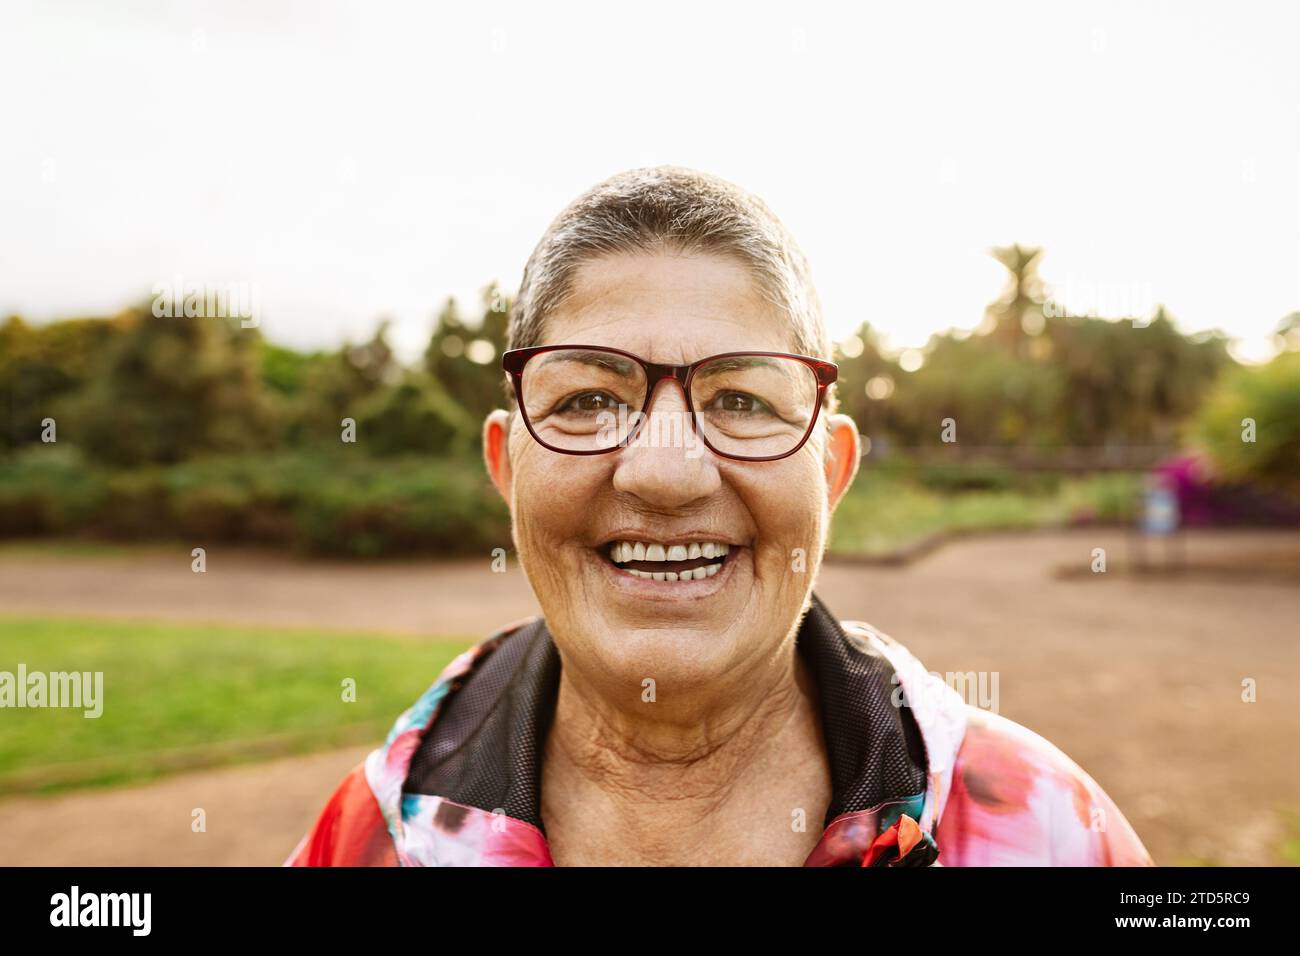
(357, 160)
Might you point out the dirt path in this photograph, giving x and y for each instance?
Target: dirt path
(459, 598)
(254, 815)
(1138, 679)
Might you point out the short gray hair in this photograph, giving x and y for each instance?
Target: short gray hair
(678, 210)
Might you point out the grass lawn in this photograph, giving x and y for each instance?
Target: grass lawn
(880, 513)
(178, 696)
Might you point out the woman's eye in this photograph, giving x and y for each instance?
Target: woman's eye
(741, 402)
(589, 402)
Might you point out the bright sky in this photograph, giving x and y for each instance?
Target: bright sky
(355, 160)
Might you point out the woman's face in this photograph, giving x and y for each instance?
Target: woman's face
(616, 628)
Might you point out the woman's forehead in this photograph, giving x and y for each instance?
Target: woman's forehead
(686, 305)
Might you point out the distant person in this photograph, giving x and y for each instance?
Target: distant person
(685, 697)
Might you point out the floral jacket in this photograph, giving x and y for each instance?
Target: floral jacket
(918, 776)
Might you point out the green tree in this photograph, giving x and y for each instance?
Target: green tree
(332, 386)
(284, 370)
(41, 367)
(995, 398)
(171, 388)
(465, 358)
(861, 362)
(414, 416)
(1250, 424)
(1018, 313)
(1129, 382)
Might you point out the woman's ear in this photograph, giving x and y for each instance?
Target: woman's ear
(843, 447)
(496, 451)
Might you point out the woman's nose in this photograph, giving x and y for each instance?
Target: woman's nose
(667, 464)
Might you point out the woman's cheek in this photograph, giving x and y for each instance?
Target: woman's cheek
(797, 509)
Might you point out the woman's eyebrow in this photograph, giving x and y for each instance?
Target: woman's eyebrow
(601, 359)
(737, 363)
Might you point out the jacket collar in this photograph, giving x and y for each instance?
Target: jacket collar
(459, 779)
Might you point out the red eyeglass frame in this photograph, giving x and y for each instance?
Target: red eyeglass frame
(514, 360)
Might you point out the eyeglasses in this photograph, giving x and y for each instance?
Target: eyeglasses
(589, 400)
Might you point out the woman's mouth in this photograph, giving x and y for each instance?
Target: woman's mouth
(685, 561)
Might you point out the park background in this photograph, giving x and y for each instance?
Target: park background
(160, 392)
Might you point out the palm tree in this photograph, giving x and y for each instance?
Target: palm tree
(1020, 308)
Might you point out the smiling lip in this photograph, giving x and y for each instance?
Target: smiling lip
(645, 588)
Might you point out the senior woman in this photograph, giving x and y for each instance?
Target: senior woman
(671, 459)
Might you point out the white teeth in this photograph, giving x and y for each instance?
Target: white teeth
(694, 574)
(622, 552)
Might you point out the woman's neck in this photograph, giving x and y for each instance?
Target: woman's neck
(742, 781)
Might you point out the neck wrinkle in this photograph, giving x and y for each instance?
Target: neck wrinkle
(632, 768)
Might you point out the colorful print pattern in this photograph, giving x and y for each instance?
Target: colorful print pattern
(996, 795)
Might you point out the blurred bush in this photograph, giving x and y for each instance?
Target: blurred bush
(340, 505)
(972, 476)
(48, 489)
(885, 513)
(1268, 396)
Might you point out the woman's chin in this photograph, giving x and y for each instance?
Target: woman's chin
(684, 632)
(660, 665)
